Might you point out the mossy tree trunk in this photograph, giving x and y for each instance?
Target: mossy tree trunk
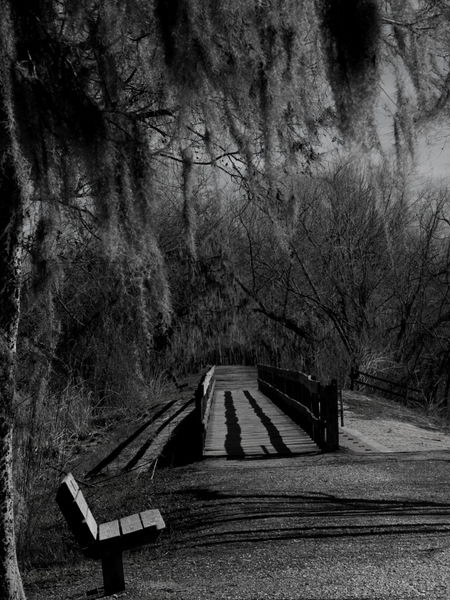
(11, 587)
(11, 222)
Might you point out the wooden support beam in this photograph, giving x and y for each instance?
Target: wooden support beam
(113, 577)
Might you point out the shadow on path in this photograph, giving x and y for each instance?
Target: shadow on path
(214, 518)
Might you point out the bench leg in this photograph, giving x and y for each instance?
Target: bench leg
(113, 578)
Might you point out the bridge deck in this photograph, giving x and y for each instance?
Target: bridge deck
(244, 422)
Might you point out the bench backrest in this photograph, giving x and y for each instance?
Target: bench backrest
(76, 512)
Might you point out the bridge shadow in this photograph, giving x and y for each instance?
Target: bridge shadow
(215, 518)
(238, 442)
(272, 431)
(233, 438)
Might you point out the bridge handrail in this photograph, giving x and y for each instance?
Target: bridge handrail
(203, 400)
(313, 405)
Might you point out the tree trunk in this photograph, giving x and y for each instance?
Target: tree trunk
(11, 228)
(11, 587)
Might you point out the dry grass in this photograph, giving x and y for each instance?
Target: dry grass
(70, 435)
(370, 406)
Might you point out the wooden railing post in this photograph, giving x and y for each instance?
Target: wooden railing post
(331, 417)
(199, 433)
(203, 398)
(353, 377)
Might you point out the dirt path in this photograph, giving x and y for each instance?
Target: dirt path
(338, 527)
(389, 426)
(354, 525)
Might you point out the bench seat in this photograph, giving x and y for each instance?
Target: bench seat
(108, 540)
(126, 533)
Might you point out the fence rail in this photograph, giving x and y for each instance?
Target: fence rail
(405, 393)
(312, 405)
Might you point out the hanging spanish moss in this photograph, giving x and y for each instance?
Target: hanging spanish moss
(188, 208)
(168, 14)
(351, 38)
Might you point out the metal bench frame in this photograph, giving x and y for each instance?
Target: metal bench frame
(106, 541)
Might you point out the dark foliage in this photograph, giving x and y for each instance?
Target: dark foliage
(352, 28)
(351, 35)
(52, 82)
(168, 14)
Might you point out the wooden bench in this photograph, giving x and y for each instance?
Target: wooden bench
(106, 541)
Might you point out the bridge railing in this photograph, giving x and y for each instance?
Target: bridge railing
(203, 400)
(312, 405)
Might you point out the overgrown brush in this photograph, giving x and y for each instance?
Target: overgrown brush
(50, 439)
(48, 435)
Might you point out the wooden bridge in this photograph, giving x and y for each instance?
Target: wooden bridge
(244, 422)
(233, 411)
(265, 411)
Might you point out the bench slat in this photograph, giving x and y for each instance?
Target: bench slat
(130, 524)
(152, 519)
(76, 512)
(80, 518)
(107, 531)
(82, 505)
(71, 484)
(91, 524)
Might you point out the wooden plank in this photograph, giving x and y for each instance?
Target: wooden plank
(75, 508)
(72, 485)
(81, 517)
(83, 507)
(152, 519)
(90, 525)
(130, 524)
(77, 513)
(67, 493)
(108, 531)
(136, 530)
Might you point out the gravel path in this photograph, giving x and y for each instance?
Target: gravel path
(344, 526)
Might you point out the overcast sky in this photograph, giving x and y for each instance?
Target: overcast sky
(432, 145)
